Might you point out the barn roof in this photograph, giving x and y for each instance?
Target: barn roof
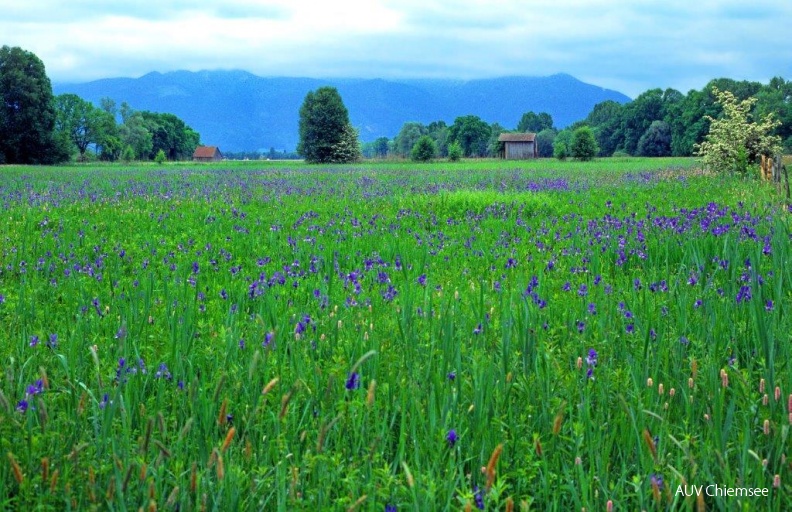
(205, 152)
(517, 137)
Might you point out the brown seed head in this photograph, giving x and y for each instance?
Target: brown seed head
(491, 466)
(18, 476)
(228, 438)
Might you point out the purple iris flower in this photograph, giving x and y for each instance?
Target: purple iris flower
(591, 359)
(353, 381)
(452, 437)
(744, 294)
(267, 339)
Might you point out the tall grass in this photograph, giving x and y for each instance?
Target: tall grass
(278, 337)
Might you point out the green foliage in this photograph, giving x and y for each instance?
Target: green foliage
(734, 140)
(776, 98)
(544, 141)
(325, 131)
(638, 115)
(606, 121)
(656, 141)
(621, 127)
(160, 158)
(495, 148)
(128, 155)
(472, 133)
(347, 149)
(407, 137)
(583, 145)
(111, 148)
(27, 114)
(380, 147)
(78, 120)
(535, 123)
(134, 133)
(562, 145)
(170, 135)
(108, 144)
(439, 132)
(455, 152)
(425, 149)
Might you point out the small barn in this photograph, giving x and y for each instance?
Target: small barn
(207, 154)
(519, 146)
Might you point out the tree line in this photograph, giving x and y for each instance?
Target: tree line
(37, 127)
(656, 123)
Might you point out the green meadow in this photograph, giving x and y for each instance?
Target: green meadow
(392, 336)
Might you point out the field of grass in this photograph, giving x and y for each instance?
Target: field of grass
(392, 336)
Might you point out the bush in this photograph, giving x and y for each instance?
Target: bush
(584, 145)
(454, 152)
(560, 150)
(561, 144)
(160, 158)
(129, 154)
(424, 149)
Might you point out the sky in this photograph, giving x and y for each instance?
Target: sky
(627, 45)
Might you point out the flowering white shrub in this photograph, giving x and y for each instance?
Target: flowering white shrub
(734, 140)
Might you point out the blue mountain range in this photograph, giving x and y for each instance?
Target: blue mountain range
(239, 111)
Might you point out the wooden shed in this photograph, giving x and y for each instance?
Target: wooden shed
(207, 154)
(519, 146)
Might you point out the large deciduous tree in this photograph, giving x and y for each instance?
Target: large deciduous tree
(170, 135)
(776, 98)
(472, 133)
(544, 142)
(77, 120)
(407, 137)
(326, 135)
(27, 114)
(533, 122)
(656, 140)
(134, 135)
(605, 120)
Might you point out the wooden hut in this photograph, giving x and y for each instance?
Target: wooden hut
(519, 146)
(207, 154)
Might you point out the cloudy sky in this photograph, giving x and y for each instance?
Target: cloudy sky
(627, 45)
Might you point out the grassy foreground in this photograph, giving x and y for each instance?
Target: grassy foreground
(269, 336)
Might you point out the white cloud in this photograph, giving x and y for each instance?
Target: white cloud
(629, 44)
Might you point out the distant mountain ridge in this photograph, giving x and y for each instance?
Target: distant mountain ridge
(239, 111)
